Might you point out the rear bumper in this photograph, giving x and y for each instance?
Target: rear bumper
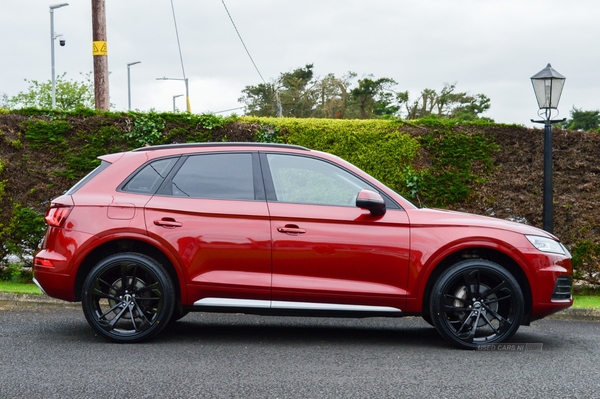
(51, 274)
(53, 284)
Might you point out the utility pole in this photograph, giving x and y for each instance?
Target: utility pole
(100, 53)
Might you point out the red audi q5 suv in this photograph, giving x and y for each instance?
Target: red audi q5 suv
(272, 229)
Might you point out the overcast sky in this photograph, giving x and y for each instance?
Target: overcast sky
(484, 46)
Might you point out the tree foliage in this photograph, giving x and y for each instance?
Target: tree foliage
(582, 120)
(70, 94)
(301, 94)
(4, 100)
(374, 97)
(447, 103)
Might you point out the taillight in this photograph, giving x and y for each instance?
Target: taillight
(57, 214)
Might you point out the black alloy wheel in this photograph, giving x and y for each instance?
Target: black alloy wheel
(128, 297)
(476, 302)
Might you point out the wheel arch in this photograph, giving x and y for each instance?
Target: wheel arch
(119, 245)
(489, 254)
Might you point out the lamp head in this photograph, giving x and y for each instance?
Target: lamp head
(548, 85)
(55, 6)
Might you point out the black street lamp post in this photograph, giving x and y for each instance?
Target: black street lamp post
(548, 85)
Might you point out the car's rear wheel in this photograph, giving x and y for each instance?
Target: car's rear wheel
(128, 297)
(476, 302)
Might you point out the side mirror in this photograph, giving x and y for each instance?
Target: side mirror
(367, 199)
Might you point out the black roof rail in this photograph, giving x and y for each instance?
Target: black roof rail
(220, 144)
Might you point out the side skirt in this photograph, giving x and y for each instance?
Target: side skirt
(251, 306)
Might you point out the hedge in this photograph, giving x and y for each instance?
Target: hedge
(433, 162)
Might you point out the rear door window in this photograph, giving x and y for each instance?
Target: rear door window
(216, 176)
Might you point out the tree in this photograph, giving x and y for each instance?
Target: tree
(4, 100)
(298, 92)
(70, 94)
(260, 100)
(372, 95)
(334, 95)
(301, 94)
(447, 103)
(582, 120)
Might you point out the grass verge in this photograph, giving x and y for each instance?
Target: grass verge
(586, 302)
(581, 301)
(19, 288)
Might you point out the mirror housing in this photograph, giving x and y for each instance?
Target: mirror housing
(374, 202)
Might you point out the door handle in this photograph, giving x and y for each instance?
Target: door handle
(291, 229)
(169, 223)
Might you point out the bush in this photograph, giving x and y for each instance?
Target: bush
(24, 232)
(586, 261)
(436, 162)
(378, 147)
(460, 161)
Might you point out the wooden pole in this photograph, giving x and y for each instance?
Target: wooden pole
(100, 53)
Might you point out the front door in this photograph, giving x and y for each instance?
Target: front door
(327, 253)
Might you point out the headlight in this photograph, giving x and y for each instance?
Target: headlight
(546, 244)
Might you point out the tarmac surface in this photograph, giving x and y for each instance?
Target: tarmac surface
(48, 351)
(567, 314)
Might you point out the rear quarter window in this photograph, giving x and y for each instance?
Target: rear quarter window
(148, 179)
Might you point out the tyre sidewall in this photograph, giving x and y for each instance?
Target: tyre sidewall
(448, 277)
(151, 266)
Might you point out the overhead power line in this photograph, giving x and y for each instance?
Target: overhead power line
(243, 44)
(185, 79)
(278, 109)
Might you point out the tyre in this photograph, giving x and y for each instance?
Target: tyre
(476, 302)
(178, 314)
(427, 319)
(128, 297)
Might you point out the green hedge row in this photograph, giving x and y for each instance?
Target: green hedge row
(432, 162)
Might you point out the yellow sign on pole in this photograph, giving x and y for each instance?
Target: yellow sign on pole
(99, 48)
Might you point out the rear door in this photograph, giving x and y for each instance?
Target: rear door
(213, 217)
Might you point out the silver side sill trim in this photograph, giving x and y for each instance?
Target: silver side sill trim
(252, 303)
(233, 303)
(330, 306)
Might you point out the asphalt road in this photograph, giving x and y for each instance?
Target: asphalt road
(49, 351)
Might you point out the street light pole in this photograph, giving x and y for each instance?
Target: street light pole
(129, 83)
(548, 85)
(187, 91)
(187, 96)
(53, 37)
(174, 97)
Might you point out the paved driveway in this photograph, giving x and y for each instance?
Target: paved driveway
(49, 351)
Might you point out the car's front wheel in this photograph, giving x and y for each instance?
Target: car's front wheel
(476, 302)
(128, 297)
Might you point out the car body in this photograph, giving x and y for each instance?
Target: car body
(154, 233)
